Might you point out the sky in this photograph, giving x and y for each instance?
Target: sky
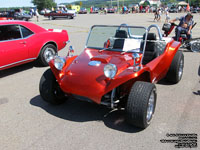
(21, 3)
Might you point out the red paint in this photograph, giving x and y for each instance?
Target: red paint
(77, 77)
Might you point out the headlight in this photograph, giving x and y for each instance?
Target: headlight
(110, 70)
(59, 62)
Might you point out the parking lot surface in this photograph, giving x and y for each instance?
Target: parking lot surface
(27, 122)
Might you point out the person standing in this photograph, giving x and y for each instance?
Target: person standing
(156, 15)
(159, 14)
(167, 16)
(37, 15)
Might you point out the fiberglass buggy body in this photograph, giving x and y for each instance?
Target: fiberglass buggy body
(118, 68)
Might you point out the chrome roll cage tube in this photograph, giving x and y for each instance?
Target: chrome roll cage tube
(129, 33)
(145, 40)
(158, 29)
(125, 25)
(122, 25)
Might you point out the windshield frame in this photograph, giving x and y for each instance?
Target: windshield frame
(116, 26)
(125, 25)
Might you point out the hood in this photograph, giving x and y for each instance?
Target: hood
(89, 81)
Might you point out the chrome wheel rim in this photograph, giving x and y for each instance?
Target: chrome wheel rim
(49, 53)
(151, 106)
(180, 72)
(195, 47)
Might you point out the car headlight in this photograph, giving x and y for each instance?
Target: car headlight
(59, 62)
(110, 70)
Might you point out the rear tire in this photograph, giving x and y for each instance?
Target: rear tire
(50, 90)
(141, 104)
(46, 54)
(175, 71)
(70, 17)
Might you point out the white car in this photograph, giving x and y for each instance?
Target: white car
(72, 11)
(42, 12)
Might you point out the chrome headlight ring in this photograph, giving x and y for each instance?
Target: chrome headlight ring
(59, 62)
(110, 70)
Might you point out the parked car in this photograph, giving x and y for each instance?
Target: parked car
(95, 11)
(42, 12)
(6, 18)
(23, 42)
(5, 15)
(72, 11)
(118, 68)
(173, 10)
(22, 16)
(194, 10)
(59, 14)
(111, 10)
(11, 15)
(83, 11)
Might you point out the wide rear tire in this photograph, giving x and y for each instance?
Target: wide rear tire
(50, 90)
(141, 104)
(175, 71)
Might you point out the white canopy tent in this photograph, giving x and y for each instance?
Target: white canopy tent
(183, 3)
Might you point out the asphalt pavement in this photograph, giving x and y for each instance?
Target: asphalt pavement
(27, 122)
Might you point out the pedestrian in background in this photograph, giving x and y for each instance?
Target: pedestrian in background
(156, 15)
(37, 14)
(159, 15)
(167, 16)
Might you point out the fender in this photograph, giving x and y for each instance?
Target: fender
(57, 73)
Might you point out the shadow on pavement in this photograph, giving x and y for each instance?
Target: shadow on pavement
(164, 82)
(20, 68)
(80, 111)
(199, 71)
(197, 92)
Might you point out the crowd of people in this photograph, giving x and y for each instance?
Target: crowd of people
(34, 12)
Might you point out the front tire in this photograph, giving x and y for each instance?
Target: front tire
(70, 17)
(51, 18)
(175, 71)
(141, 104)
(46, 54)
(50, 90)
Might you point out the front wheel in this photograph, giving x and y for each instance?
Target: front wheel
(50, 90)
(141, 104)
(51, 18)
(46, 54)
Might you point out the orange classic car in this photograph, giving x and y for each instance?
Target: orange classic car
(118, 68)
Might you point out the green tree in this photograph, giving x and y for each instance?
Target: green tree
(41, 4)
(194, 2)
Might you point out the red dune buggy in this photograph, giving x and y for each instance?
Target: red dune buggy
(118, 68)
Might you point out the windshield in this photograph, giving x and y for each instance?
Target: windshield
(116, 38)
